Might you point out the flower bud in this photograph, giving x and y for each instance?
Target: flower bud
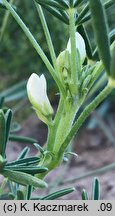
(63, 62)
(80, 45)
(37, 94)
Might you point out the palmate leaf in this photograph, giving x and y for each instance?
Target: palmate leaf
(85, 14)
(60, 14)
(51, 3)
(59, 9)
(56, 8)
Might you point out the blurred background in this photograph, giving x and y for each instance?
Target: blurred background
(95, 142)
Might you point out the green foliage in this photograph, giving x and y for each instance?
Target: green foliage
(5, 122)
(84, 195)
(21, 170)
(23, 178)
(101, 32)
(73, 78)
(58, 194)
(95, 191)
(20, 56)
(112, 68)
(20, 195)
(2, 132)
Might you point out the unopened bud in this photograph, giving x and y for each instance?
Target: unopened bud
(80, 45)
(37, 94)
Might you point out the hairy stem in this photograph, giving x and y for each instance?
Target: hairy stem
(104, 93)
(53, 129)
(74, 66)
(47, 33)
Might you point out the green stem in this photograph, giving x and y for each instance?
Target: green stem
(50, 139)
(59, 110)
(74, 66)
(64, 125)
(47, 33)
(5, 21)
(104, 93)
(53, 129)
(35, 45)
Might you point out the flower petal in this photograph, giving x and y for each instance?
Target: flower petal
(80, 45)
(36, 89)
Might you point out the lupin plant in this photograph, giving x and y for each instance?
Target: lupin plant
(95, 191)
(73, 77)
(75, 71)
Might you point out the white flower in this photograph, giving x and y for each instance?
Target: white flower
(36, 90)
(80, 45)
